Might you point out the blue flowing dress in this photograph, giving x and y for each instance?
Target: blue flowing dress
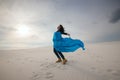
(66, 44)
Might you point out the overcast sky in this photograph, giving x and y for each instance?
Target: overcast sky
(88, 20)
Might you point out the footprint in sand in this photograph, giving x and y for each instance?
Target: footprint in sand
(47, 65)
(42, 76)
(29, 59)
(45, 72)
(109, 70)
(114, 72)
(36, 77)
(8, 61)
(93, 68)
(49, 76)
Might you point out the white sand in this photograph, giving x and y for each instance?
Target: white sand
(99, 62)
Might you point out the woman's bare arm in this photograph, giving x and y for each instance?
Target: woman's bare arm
(66, 34)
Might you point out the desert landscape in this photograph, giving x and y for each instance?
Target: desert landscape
(100, 61)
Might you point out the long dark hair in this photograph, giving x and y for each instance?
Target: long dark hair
(61, 29)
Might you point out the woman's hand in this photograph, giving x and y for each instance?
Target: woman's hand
(68, 34)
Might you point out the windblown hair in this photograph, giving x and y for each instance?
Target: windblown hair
(62, 30)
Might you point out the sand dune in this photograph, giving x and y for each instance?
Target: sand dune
(98, 62)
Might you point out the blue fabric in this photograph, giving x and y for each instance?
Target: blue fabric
(66, 44)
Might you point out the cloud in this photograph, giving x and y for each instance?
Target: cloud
(115, 16)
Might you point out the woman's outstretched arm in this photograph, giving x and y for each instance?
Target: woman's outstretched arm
(66, 34)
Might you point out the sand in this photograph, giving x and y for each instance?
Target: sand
(100, 61)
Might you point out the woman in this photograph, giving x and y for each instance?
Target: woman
(64, 44)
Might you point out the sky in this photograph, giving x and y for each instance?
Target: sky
(31, 23)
